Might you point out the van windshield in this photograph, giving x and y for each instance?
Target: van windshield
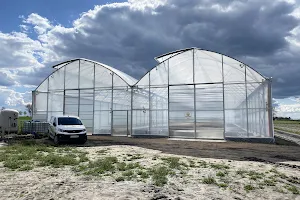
(68, 121)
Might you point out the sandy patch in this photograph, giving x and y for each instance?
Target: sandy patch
(63, 183)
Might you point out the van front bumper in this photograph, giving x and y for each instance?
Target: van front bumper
(67, 137)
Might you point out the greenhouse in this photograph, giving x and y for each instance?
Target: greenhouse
(191, 93)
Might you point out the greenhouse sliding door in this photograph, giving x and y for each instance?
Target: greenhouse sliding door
(181, 111)
(209, 111)
(121, 121)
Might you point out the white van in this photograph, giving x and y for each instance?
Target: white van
(65, 128)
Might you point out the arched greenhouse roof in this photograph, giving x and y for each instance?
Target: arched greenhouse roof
(127, 79)
(207, 66)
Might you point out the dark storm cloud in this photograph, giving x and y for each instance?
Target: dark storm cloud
(36, 76)
(129, 39)
(6, 80)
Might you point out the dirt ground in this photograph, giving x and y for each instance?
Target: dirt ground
(63, 183)
(218, 150)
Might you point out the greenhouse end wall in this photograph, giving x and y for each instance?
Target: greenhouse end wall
(191, 93)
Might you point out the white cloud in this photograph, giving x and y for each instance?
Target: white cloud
(289, 108)
(13, 99)
(18, 50)
(41, 24)
(24, 28)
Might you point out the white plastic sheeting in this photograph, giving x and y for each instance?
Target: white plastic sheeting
(209, 95)
(100, 95)
(191, 93)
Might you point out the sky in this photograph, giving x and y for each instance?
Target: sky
(127, 35)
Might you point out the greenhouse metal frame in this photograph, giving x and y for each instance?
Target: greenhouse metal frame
(191, 93)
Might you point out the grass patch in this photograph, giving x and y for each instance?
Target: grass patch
(278, 174)
(26, 154)
(249, 187)
(80, 168)
(133, 166)
(222, 185)
(219, 166)
(101, 166)
(57, 160)
(221, 174)
(241, 172)
(122, 166)
(159, 175)
(173, 162)
(292, 189)
(269, 182)
(209, 180)
(253, 175)
(17, 164)
(202, 164)
(120, 178)
(143, 174)
(129, 175)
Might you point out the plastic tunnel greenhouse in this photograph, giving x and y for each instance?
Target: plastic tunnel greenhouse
(191, 93)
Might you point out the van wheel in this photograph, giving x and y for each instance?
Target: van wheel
(56, 140)
(83, 141)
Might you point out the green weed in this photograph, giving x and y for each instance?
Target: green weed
(159, 175)
(209, 180)
(292, 189)
(249, 187)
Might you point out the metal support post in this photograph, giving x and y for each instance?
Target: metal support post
(270, 108)
(246, 90)
(127, 123)
(94, 98)
(150, 115)
(195, 115)
(79, 90)
(64, 101)
(168, 99)
(47, 99)
(131, 110)
(223, 87)
(112, 103)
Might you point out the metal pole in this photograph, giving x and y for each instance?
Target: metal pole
(112, 103)
(64, 103)
(47, 98)
(127, 123)
(168, 99)
(195, 115)
(150, 115)
(94, 84)
(223, 86)
(131, 110)
(33, 100)
(270, 111)
(246, 88)
(79, 90)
